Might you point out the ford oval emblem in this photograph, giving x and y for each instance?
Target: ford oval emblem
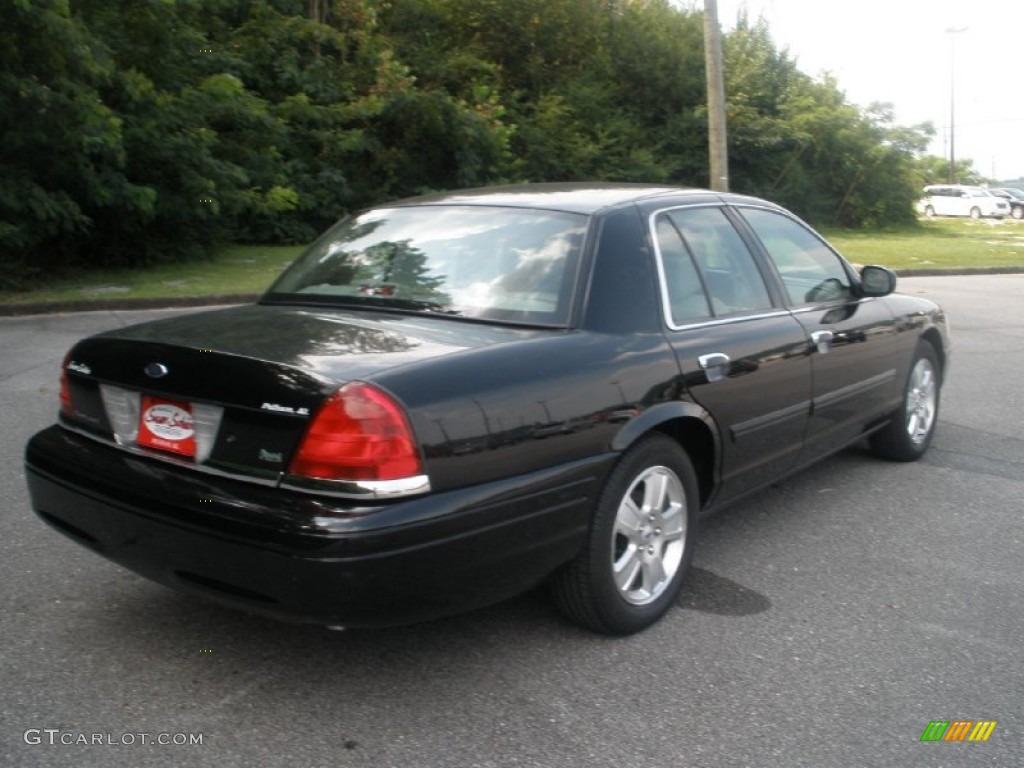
(156, 370)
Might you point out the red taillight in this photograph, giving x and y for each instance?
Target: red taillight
(65, 389)
(360, 433)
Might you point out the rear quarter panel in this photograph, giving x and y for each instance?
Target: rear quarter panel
(565, 395)
(516, 408)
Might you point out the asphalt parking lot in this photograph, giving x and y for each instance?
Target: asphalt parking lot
(826, 622)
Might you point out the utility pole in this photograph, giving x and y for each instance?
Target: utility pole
(718, 153)
(952, 32)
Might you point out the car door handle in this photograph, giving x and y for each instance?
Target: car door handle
(715, 364)
(822, 340)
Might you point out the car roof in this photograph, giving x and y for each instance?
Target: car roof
(574, 197)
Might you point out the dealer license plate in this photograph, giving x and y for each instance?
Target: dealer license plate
(167, 425)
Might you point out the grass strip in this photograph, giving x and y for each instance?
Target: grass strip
(938, 244)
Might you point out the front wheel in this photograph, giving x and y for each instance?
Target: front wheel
(975, 213)
(640, 543)
(1017, 213)
(909, 433)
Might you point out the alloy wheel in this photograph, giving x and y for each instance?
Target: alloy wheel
(649, 535)
(921, 401)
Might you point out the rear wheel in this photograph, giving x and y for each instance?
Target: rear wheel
(908, 435)
(640, 543)
(929, 212)
(1018, 212)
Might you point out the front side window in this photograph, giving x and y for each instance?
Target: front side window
(496, 263)
(708, 268)
(811, 271)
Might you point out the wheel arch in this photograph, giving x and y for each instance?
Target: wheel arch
(690, 426)
(934, 338)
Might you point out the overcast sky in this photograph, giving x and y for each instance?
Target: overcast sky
(899, 51)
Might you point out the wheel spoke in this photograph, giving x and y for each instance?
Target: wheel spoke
(923, 384)
(629, 520)
(653, 573)
(626, 568)
(655, 491)
(675, 531)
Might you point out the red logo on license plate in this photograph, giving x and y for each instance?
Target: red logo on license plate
(167, 426)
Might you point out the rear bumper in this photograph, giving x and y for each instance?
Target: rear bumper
(303, 558)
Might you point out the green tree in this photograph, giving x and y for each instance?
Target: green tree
(932, 169)
(146, 131)
(798, 140)
(62, 160)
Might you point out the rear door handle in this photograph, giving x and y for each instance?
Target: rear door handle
(822, 341)
(715, 364)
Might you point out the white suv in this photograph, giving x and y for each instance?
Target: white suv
(960, 200)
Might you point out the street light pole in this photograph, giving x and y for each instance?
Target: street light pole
(952, 32)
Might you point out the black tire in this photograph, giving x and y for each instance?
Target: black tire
(907, 436)
(651, 552)
(1017, 213)
(929, 212)
(975, 213)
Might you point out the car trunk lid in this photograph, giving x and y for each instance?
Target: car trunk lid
(233, 390)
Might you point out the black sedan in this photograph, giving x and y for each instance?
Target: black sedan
(1014, 197)
(448, 400)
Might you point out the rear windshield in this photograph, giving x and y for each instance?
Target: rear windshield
(495, 263)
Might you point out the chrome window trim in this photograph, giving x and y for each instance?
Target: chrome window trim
(731, 319)
(790, 309)
(666, 305)
(803, 309)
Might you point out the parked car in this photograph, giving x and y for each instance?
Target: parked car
(448, 400)
(1014, 197)
(960, 200)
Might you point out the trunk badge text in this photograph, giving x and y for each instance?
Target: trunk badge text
(156, 370)
(274, 407)
(79, 367)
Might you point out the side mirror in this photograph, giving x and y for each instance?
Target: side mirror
(877, 281)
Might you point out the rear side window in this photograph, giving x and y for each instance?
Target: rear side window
(687, 298)
(708, 269)
(811, 271)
